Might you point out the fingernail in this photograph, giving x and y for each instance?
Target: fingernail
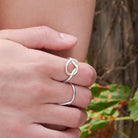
(67, 37)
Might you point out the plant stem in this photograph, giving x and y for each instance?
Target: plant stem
(123, 134)
(123, 118)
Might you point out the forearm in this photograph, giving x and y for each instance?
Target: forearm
(77, 20)
(68, 16)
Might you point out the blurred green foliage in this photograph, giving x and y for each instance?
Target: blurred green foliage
(133, 107)
(105, 106)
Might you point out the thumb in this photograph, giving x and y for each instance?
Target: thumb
(40, 37)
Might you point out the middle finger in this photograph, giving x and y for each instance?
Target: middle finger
(85, 76)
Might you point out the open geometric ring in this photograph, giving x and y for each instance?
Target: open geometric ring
(75, 70)
(73, 98)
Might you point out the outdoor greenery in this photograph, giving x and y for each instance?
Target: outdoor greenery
(113, 52)
(105, 107)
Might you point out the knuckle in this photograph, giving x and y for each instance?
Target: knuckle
(39, 66)
(43, 30)
(88, 98)
(77, 118)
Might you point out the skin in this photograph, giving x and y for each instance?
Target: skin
(69, 16)
(33, 100)
(45, 38)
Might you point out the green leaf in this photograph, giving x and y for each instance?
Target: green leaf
(94, 125)
(104, 107)
(133, 107)
(84, 131)
(97, 123)
(107, 97)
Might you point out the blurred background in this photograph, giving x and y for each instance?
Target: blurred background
(114, 51)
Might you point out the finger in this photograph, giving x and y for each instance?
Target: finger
(59, 115)
(40, 131)
(55, 66)
(85, 76)
(40, 37)
(63, 92)
(83, 95)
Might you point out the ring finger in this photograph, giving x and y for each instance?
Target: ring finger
(61, 93)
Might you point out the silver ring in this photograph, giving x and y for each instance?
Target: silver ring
(73, 98)
(75, 70)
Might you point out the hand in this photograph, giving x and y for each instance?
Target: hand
(32, 87)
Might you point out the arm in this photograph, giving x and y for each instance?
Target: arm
(69, 16)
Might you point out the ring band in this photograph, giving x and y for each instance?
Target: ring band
(75, 70)
(73, 98)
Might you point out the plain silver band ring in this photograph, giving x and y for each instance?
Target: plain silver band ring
(73, 98)
(75, 70)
